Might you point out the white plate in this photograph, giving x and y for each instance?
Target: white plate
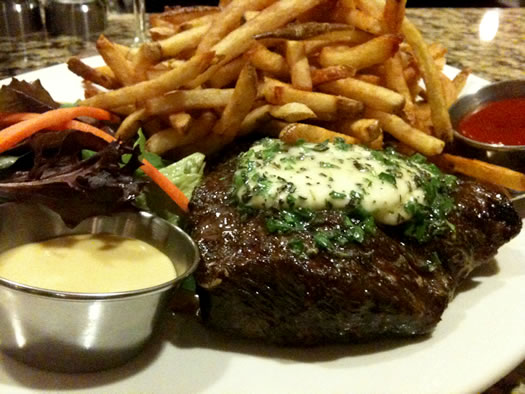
(480, 339)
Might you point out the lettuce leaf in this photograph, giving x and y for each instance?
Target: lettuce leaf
(186, 174)
(22, 96)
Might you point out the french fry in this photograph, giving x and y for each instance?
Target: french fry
(395, 80)
(161, 32)
(90, 89)
(298, 65)
(181, 122)
(364, 21)
(292, 112)
(438, 52)
(255, 119)
(376, 144)
(156, 87)
(330, 73)
(264, 59)
(169, 139)
(352, 37)
(407, 134)
(228, 73)
(372, 52)
(196, 22)
(460, 80)
(372, 96)
(394, 14)
(176, 16)
(365, 130)
(146, 57)
(369, 78)
(301, 131)
(349, 4)
(230, 18)
(161, 68)
(303, 31)
(274, 127)
(240, 104)
(188, 39)
(153, 125)
(130, 125)
(91, 74)
(184, 100)
(439, 111)
(249, 15)
(114, 58)
(272, 17)
(482, 171)
(325, 106)
(373, 8)
(449, 90)
(125, 110)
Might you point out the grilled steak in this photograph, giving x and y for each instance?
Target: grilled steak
(252, 284)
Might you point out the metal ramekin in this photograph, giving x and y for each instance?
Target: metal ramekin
(79, 332)
(510, 156)
(490, 93)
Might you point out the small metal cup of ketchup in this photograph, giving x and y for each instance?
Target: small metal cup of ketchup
(489, 125)
(492, 119)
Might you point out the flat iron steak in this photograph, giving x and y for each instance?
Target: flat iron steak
(251, 284)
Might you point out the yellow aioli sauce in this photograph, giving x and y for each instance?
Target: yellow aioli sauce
(87, 263)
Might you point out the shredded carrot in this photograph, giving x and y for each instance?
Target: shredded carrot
(87, 128)
(27, 124)
(12, 135)
(7, 119)
(165, 184)
(13, 118)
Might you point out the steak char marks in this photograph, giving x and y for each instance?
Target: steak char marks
(252, 285)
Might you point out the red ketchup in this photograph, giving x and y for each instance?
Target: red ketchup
(499, 122)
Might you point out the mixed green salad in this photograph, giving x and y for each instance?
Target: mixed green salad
(78, 174)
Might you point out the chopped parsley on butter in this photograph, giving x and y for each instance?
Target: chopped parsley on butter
(308, 177)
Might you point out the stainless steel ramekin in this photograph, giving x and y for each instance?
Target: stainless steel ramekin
(510, 156)
(79, 332)
(471, 102)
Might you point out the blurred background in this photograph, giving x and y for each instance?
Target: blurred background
(158, 5)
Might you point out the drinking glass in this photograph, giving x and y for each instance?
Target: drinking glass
(139, 12)
(138, 8)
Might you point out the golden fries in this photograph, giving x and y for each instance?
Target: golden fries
(115, 59)
(298, 65)
(294, 69)
(241, 102)
(155, 87)
(438, 107)
(91, 74)
(405, 133)
(264, 59)
(325, 106)
(300, 131)
(292, 112)
(181, 100)
(486, 172)
(372, 52)
(371, 95)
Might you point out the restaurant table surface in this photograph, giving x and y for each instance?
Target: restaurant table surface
(491, 42)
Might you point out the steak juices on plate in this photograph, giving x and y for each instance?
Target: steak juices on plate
(293, 254)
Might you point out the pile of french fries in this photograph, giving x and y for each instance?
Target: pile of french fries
(294, 69)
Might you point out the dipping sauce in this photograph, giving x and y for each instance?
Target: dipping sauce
(87, 263)
(499, 122)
